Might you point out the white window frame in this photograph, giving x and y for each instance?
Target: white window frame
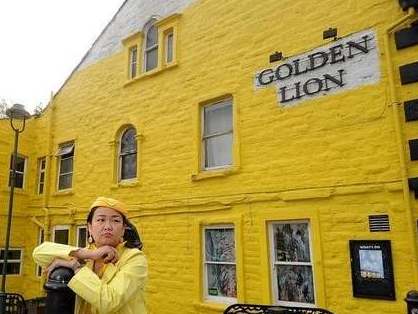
(20, 261)
(78, 235)
(19, 172)
(59, 155)
(61, 227)
(206, 296)
(40, 171)
(120, 155)
(146, 49)
(169, 33)
(133, 61)
(41, 238)
(222, 103)
(273, 275)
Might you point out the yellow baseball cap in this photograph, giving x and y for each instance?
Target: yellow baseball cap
(110, 203)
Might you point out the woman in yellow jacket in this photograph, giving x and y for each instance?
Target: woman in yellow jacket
(109, 276)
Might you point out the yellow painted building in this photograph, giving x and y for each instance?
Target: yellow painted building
(250, 150)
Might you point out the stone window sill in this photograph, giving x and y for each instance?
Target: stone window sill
(208, 174)
(63, 193)
(126, 184)
(151, 73)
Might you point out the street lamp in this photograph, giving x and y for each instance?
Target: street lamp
(16, 113)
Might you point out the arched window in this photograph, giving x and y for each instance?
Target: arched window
(151, 46)
(127, 154)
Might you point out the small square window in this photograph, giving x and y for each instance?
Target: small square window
(14, 261)
(61, 234)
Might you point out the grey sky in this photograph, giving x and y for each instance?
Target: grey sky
(43, 41)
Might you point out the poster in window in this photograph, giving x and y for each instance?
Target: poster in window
(371, 269)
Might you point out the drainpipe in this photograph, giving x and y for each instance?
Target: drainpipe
(395, 103)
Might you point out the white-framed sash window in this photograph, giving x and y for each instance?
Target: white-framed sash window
(61, 234)
(292, 263)
(217, 135)
(219, 264)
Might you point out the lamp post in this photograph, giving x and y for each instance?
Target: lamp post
(16, 113)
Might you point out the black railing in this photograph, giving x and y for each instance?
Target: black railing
(271, 309)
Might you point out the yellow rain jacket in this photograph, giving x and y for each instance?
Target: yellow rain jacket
(120, 290)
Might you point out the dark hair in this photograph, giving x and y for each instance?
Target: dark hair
(131, 235)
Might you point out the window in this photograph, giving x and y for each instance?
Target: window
(41, 175)
(82, 236)
(61, 234)
(169, 48)
(65, 156)
(151, 46)
(293, 282)
(14, 261)
(217, 135)
(41, 238)
(128, 154)
(219, 264)
(133, 58)
(20, 171)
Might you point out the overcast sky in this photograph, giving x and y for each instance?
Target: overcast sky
(42, 41)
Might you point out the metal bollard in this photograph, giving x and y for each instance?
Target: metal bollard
(412, 302)
(59, 298)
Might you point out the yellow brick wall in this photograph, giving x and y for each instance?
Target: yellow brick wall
(332, 160)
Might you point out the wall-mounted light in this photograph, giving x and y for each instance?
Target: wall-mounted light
(277, 56)
(330, 33)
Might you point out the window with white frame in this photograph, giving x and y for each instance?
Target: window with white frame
(219, 263)
(128, 154)
(81, 236)
(41, 238)
(133, 61)
(65, 157)
(41, 175)
(14, 261)
(292, 276)
(217, 135)
(61, 234)
(169, 46)
(20, 171)
(151, 46)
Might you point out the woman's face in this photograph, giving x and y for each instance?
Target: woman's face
(107, 227)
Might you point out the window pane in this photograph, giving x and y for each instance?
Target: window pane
(20, 164)
(151, 59)
(133, 58)
(11, 254)
(41, 188)
(218, 151)
(18, 180)
(128, 141)
(222, 280)
(152, 36)
(169, 48)
(66, 150)
(128, 166)
(61, 236)
(66, 165)
(220, 245)
(42, 177)
(291, 242)
(43, 162)
(82, 237)
(12, 268)
(218, 118)
(295, 284)
(65, 181)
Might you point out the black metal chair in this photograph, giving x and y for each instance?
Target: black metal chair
(271, 309)
(12, 303)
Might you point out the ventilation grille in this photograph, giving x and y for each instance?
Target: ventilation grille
(379, 223)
